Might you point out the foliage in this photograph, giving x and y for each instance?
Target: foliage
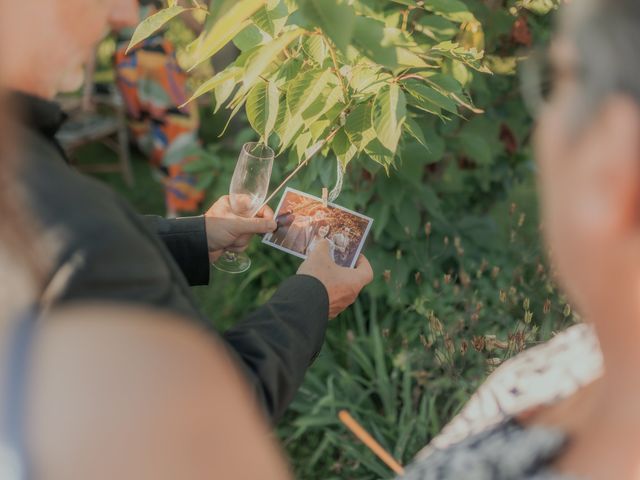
(360, 75)
(443, 164)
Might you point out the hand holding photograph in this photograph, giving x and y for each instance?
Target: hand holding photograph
(303, 221)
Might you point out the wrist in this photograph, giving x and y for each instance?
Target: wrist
(210, 227)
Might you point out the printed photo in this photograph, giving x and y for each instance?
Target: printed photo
(303, 221)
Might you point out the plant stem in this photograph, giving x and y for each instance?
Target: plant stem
(334, 59)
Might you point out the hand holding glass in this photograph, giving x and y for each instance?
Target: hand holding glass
(247, 193)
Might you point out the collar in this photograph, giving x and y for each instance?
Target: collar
(43, 116)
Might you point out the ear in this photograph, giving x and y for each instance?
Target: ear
(614, 164)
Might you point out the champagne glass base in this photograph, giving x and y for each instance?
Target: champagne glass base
(230, 262)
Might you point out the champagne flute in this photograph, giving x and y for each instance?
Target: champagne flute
(248, 190)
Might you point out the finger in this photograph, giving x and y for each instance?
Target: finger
(220, 207)
(254, 225)
(364, 269)
(241, 243)
(266, 212)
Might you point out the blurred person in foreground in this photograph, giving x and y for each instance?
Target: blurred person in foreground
(104, 391)
(571, 409)
(99, 249)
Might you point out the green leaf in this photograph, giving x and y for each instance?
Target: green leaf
(288, 71)
(205, 180)
(223, 91)
(541, 7)
(272, 17)
(413, 129)
(229, 74)
(250, 37)
(453, 10)
(407, 58)
(343, 148)
(470, 57)
(389, 114)
(319, 129)
(226, 26)
(300, 146)
(367, 79)
(305, 89)
(328, 106)
(336, 18)
(379, 153)
(262, 108)
(429, 99)
(446, 83)
(370, 39)
(315, 47)
(358, 126)
(436, 28)
(152, 24)
(265, 56)
(476, 147)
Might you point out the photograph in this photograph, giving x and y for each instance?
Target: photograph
(303, 221)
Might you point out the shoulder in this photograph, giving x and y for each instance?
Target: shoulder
(121, 386)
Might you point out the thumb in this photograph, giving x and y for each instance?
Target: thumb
(255, 225)
(321, 251)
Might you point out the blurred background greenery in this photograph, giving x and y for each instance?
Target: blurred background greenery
(461, 280)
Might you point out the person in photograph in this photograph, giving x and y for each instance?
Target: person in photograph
(342, 241)
(283, 222)
(324, 229)
(299, 234)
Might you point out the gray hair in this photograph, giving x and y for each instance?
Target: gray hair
(606, 35)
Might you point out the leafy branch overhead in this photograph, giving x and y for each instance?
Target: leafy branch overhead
(360, 73)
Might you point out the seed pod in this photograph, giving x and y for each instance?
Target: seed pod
(436, 325)
(528, 316)
(521, 220)
(495, 271)
(449, 345)
(478, 343)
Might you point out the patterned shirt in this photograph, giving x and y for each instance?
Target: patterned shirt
(484, 440)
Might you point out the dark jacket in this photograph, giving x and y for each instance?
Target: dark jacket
(100, 249)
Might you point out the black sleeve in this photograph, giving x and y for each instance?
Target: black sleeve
(186, 239)
(279, 341)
